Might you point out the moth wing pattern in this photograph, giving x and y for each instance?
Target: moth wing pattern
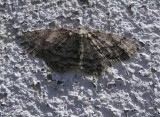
(64, 49)
(113, 47)
(57, 47)
(63, 54)
(92, 60)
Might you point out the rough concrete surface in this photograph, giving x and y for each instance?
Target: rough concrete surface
(28, 88)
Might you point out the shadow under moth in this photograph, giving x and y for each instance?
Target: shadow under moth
(65, 49)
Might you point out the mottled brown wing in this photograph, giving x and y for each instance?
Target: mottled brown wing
(112, 47)
(66, 49)
(65, 55)
(92, 61)
(31, 41)
(58, 48)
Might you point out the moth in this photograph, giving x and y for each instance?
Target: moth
(65, 49)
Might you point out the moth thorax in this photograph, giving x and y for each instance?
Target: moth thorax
(82, 31)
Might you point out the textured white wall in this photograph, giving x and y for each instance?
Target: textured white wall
(130, 89)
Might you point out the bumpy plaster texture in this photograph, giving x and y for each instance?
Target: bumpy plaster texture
(129, 89)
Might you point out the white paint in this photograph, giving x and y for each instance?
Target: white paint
(76, 97)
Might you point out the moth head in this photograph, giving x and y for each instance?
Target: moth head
(81, 30)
